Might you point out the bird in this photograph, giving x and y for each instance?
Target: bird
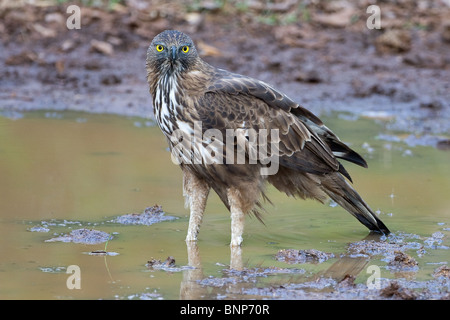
(219, 126)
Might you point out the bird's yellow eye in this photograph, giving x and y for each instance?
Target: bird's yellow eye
(185, 49)
(159, 48)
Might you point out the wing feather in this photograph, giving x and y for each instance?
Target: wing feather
(305, 142)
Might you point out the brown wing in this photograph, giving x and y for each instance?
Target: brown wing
(305, 143)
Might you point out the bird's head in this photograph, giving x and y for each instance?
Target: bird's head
(171, 51)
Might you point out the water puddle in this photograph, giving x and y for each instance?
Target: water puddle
(68, 174)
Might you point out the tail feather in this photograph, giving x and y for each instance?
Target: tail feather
(342, 193)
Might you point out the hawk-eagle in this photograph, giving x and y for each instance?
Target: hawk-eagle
(212, 118)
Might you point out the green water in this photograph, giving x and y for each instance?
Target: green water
(92, 168)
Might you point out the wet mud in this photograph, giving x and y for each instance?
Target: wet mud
(148, 217)
(302, 256)
(85, 235)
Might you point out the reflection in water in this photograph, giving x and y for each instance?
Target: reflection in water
(347, 266)
(191, 288)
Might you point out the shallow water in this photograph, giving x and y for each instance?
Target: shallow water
(71, 170)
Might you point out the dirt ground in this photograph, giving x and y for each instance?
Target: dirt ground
(320, 53)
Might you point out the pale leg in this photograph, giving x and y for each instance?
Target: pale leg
(237, 218)
(196, 192)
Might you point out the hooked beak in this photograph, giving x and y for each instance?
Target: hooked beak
(173, 53)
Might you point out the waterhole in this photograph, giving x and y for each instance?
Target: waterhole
(65, 171)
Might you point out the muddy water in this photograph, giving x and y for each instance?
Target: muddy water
(64, 171)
